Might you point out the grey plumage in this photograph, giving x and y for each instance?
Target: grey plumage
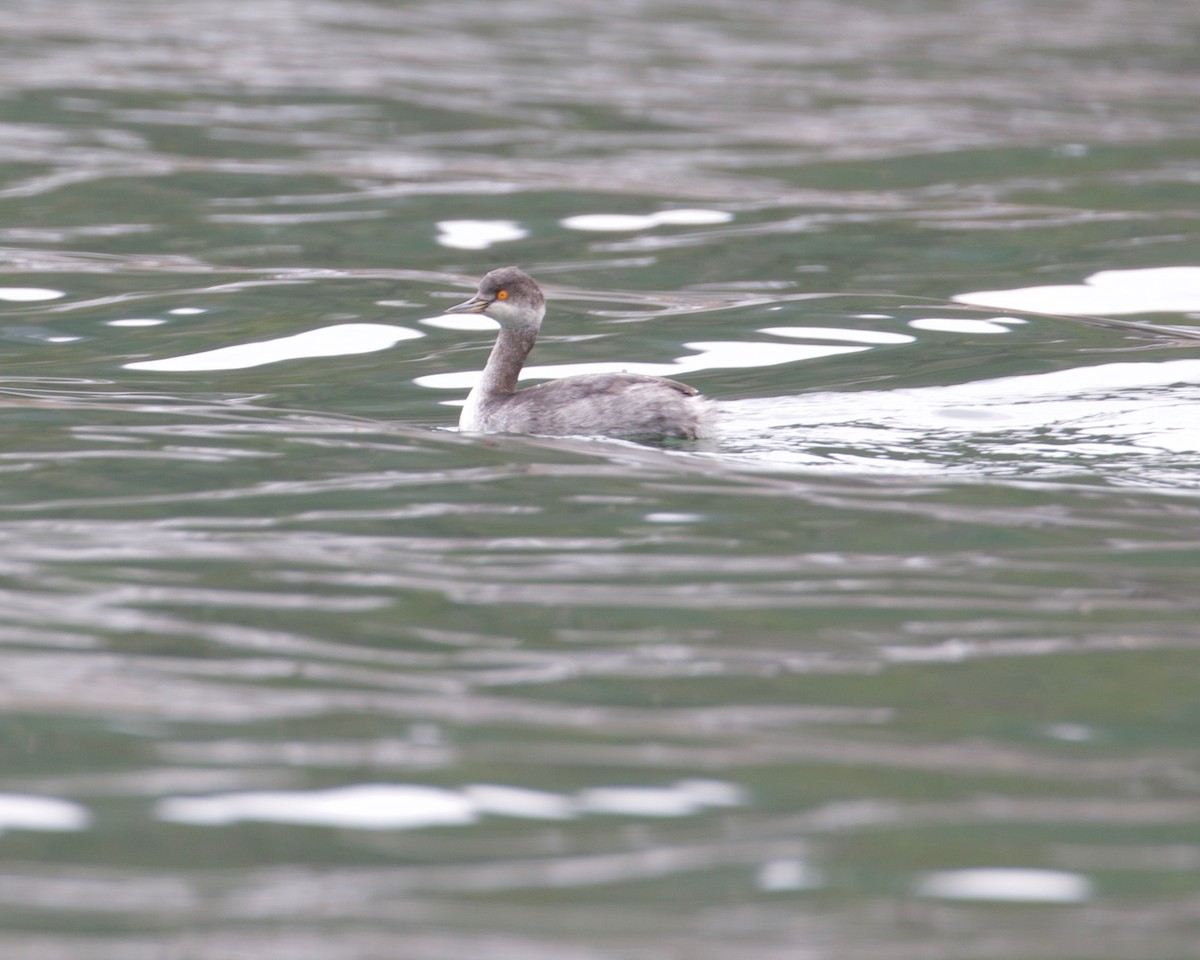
(597, 404)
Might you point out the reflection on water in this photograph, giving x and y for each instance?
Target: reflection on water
(18, 812)
(408, 806)
(478, 234)
(964, 325)
(1030, 886)
(902, 665)
(338, 340)
(621, 222)
(28, 294)
(1156, 290)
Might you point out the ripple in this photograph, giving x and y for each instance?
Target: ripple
(1133, 418)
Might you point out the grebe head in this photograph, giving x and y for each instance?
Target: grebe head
(508, 295)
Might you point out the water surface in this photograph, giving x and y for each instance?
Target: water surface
(902, 664)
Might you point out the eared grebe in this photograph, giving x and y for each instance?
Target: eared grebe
(595, 404)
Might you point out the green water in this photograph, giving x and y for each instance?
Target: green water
(902, 664)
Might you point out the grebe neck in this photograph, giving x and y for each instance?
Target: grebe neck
(506, 360)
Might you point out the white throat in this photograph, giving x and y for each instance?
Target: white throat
(468, 420)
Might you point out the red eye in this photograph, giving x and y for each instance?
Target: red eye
(501, 294)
